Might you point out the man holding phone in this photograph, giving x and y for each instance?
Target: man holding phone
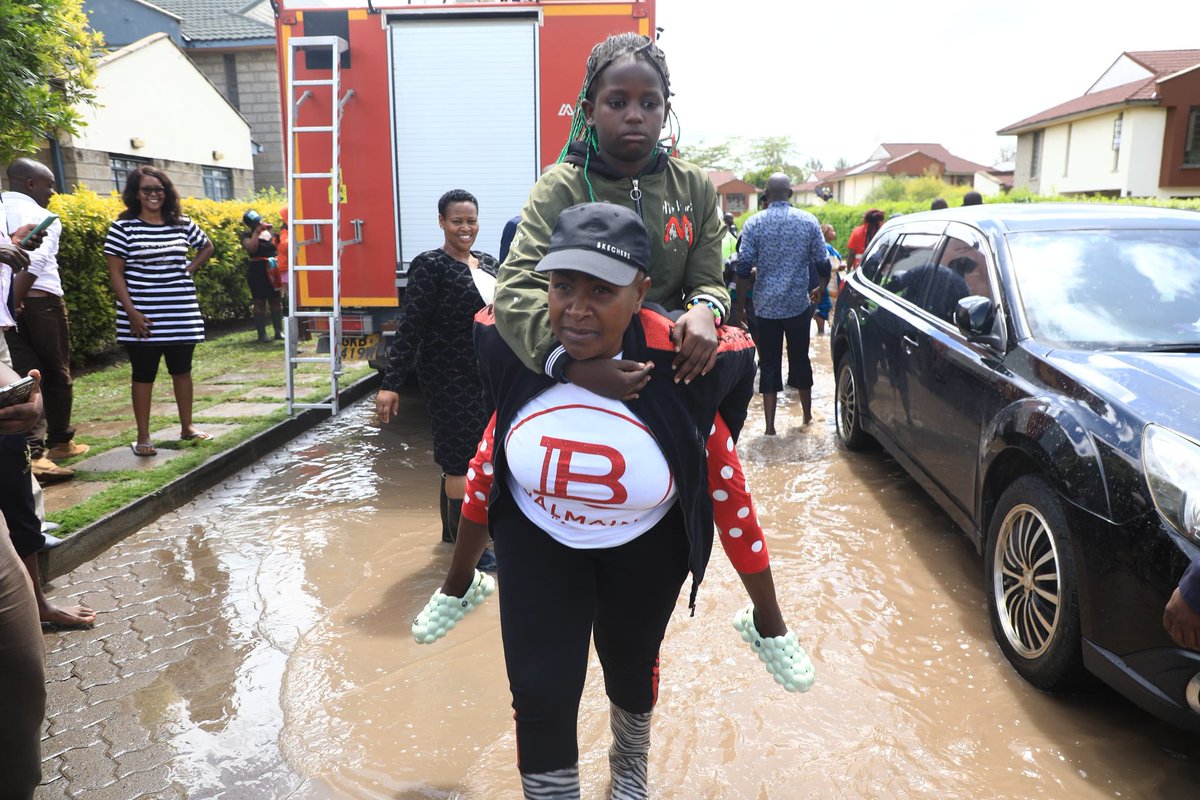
(41, 339)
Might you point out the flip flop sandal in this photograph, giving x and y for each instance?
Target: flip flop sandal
(783, 656)
(143, 450)
(443, 612)
(199, 436)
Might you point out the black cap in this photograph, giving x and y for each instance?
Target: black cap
(604, 240)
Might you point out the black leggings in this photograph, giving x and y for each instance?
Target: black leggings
(554, 598)
(144, 359)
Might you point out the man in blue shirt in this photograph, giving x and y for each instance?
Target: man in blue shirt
(783, 247)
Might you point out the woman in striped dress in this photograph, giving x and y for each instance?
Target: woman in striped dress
(158, 316)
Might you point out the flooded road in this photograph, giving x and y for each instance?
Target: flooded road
(300, 579)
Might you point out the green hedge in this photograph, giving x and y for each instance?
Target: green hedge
(220, 285)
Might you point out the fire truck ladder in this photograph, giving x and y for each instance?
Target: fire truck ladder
(334, 46)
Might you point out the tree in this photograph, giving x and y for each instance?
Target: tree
(771, 154)
(715, 156)
(46, 69)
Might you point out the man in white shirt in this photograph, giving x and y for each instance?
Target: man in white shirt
(41, 339)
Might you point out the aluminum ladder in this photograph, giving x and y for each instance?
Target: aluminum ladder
(297, 46)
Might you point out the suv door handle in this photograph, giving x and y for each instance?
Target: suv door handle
(909, 343)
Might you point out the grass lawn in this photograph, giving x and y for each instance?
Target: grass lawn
(226, 371)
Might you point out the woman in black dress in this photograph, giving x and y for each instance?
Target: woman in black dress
(446, 287)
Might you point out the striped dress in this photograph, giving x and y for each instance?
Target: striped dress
(156, 260)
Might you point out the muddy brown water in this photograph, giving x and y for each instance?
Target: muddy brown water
(319, 557)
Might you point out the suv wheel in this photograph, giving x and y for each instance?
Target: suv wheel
(847, 408)
(1031, 593)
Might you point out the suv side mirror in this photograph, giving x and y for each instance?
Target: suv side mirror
(975, 317)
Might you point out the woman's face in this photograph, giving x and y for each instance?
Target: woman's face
(461, 224)
(628, 114)
(151, 193)
(589, 316)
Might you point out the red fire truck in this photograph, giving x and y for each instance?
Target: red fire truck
(388, 104)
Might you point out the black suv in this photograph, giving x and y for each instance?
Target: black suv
(1036, 369)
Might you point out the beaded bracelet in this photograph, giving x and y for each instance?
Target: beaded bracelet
(695, 301)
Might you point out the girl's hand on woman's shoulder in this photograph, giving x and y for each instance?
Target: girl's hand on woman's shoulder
(617, 379)
(695, 338)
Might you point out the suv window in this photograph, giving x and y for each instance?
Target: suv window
(961, 271)
(905, 271)
(876, 250)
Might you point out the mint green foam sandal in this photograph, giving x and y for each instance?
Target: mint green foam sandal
(442, 612)
(783, 656)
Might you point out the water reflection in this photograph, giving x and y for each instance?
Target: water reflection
(293, 673)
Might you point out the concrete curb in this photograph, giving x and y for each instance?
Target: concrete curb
(87, 543)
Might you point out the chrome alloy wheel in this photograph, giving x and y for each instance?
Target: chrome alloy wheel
(846, 398)
(1026, 581)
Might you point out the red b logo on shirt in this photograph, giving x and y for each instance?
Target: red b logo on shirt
(560, 451)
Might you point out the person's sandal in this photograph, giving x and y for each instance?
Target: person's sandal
(783, 656)
(442, 612)
(143, 450)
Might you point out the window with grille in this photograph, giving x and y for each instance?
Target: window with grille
(218, 183)
(121, 167)
(1191, 145)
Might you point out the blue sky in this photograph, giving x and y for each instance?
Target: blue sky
(841, 77)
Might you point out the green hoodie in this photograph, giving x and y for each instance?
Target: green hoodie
(679, 207)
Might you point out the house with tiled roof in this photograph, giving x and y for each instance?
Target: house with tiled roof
(734, 194)
(852, 185)
(232, 42)
(1134, 133)
(155, 107)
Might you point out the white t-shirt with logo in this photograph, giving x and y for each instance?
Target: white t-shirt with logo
(585, 469)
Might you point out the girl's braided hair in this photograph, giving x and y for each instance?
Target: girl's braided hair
(603, 55)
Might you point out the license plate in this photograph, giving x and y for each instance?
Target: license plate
(358, 348)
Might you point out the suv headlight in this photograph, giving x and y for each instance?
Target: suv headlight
(1172, 464)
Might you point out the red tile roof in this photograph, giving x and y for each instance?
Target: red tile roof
(719, 177)
(1116, 96)
(1143, 91)
(1165, 62)
(954, 165)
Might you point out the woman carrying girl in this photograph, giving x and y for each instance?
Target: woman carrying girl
(600, 508)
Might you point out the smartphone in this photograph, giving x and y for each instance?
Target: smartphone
(16, 393)
(41, 226)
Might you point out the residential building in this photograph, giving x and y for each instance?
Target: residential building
(852, 185)
(1134, 133)
(232, 42)
(733, 194)
(155, 107)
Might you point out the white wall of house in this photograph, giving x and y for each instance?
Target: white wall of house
(1077, 157)
(1142, 150)
(152, 92)
(855, 188)
(986, 185)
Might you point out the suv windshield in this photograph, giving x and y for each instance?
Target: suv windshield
(1128, 289)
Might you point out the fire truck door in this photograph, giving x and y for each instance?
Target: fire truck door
(465, 105)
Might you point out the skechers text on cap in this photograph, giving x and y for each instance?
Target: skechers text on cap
(604, 240)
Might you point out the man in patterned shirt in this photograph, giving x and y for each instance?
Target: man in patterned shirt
(784, 249)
